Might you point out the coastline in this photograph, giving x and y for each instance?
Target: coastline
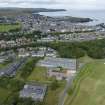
(97, 16)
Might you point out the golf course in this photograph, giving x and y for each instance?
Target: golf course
(88, 87)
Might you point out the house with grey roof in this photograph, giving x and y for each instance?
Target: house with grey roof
(34, 91)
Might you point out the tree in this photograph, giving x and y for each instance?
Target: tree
(54, 85)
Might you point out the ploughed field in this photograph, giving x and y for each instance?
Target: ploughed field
(89, 85)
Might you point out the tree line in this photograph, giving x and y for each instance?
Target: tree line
(94, 49)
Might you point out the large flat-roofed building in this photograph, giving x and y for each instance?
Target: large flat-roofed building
(69, 64)
(34, 91)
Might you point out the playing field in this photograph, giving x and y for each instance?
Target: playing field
(7, 27)
(90, 85)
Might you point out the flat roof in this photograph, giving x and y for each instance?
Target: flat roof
(35, 91)
(66, 63)
(12, 68)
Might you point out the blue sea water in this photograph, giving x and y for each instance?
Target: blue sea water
(97, 15)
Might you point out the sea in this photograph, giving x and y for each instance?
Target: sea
(98, 16)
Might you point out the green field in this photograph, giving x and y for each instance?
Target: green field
(1, 66)
(39, 74)
(89, 85)
(7, 27)
(52, 97)
(3, 95)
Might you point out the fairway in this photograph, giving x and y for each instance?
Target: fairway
(7, 27)
(90, 85)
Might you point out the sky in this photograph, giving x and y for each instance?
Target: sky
(62, 4)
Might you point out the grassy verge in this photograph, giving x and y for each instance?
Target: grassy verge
(52, 96)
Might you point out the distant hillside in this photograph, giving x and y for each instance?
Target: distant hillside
(17, 11)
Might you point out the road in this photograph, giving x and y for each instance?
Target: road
(64, 94)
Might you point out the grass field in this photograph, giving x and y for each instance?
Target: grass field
(1, 66)
(7, 27)
(39, 74)
(89, 85)
(3, 95)
(52, 97)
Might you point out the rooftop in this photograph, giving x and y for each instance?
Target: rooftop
(11, 69)
(34, 91)
(69, 64)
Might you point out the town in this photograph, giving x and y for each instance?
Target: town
(46, 29)
(43, 57)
